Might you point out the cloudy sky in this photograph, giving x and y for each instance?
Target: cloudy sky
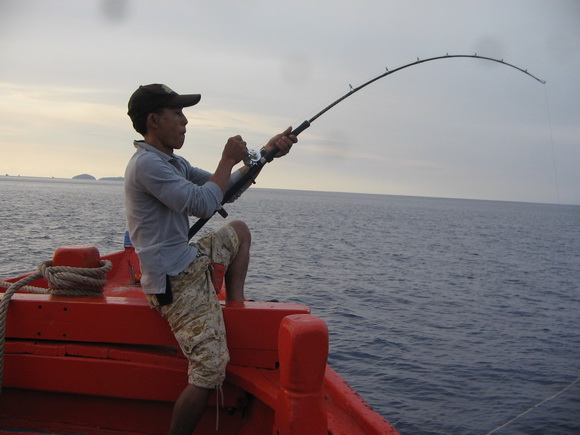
(462, 128)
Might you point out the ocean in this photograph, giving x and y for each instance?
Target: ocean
(448, 316)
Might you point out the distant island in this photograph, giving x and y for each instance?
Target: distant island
(84, 177)
(90, 177)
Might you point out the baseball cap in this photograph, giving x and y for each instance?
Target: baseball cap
(147, 98)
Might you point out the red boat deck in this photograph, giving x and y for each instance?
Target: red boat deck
(110, 364)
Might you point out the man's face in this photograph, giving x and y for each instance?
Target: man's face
(171, 129)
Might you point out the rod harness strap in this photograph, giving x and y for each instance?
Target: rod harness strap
(254, 170)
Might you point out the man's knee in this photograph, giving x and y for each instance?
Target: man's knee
(242, 231)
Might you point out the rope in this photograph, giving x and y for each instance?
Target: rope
(62, 281)
(26, 288)
(66, 280)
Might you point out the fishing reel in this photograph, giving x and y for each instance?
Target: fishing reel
(254, 157)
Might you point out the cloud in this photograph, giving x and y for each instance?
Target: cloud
(68, 68)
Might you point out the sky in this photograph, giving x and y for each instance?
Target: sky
(456, 128)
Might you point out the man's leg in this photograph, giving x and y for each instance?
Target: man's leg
(238, 268)
(201, 333)
(188, 409)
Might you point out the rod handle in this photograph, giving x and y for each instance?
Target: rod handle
(300, 128)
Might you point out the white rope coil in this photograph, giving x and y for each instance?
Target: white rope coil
(75, 281)
(62, 281)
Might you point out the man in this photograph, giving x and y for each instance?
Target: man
(161, 191)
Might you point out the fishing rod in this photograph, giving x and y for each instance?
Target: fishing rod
(258, 160)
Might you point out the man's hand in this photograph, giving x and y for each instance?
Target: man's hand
(235, 150)
(283, 142)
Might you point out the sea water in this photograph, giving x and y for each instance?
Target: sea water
(447, 316)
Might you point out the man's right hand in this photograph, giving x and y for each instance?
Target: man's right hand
(235, 150)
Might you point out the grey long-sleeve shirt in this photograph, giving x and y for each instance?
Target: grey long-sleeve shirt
(161, 191)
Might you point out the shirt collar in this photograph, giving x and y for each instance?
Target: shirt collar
(145, 146)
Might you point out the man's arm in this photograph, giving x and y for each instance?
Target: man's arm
(234, 152)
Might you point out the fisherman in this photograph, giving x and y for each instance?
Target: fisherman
(161, 191)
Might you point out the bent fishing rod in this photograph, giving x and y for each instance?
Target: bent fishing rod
(257, 160)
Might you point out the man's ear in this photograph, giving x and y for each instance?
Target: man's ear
(152, 119)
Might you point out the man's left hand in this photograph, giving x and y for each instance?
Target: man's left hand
(283, 142)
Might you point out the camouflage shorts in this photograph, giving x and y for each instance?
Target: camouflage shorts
(195, 315)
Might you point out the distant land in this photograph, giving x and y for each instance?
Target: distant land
(90, 177)
(84, 177)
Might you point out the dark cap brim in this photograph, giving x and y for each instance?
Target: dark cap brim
(185, 100)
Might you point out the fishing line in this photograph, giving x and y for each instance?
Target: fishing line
(259, 160)
(536, 406)
(556, 181)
